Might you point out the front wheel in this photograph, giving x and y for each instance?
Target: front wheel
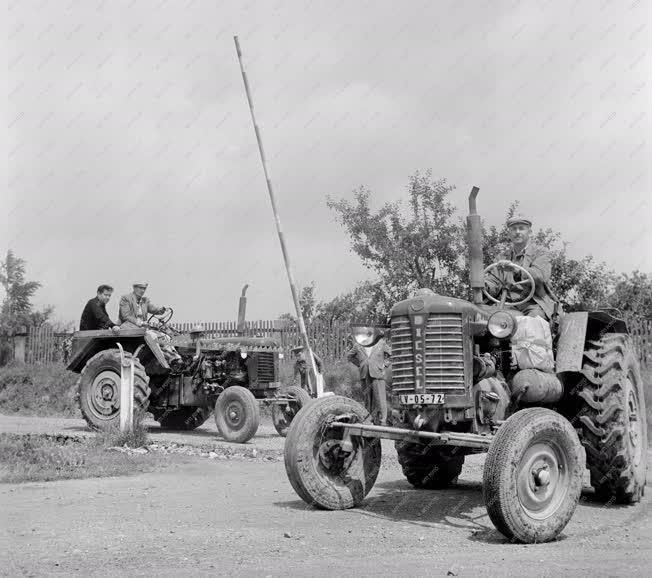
(533, 475)
(283, 412)
(323, 469)
(237, 415)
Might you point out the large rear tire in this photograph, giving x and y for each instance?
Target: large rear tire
(613, 419)
(429, 467)
(237, 414)
(533, 475)
(182, 418)
(323, 472)
(99, 390)
(284, 412)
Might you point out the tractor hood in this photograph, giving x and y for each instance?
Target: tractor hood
(247, 344)
(427, 301)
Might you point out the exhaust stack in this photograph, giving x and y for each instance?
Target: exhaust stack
(242, 308)
(476, 258)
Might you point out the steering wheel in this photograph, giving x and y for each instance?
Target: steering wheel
(163, 318)
(507, 284)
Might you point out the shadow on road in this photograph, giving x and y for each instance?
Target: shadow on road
(460, 507)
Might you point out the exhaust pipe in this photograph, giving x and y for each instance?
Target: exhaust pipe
(242, 308)
(476, 258)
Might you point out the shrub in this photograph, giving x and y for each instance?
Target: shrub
(38, 390)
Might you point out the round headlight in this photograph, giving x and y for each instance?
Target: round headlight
(364, 335)
(501, 324)
(243, 354)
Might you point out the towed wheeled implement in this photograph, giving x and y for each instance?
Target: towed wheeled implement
(457, 389)
(226, 376)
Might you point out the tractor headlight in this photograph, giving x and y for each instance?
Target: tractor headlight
(364, 335)
(501, 324)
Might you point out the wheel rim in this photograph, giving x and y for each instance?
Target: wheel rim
(333, 460)
(103, 395)
(543, 479)
(234, 415)
(634, 423)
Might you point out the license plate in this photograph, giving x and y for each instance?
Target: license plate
(421, 398)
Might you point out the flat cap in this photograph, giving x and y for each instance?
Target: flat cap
(297, 349)
(519, 220)
(140, 285)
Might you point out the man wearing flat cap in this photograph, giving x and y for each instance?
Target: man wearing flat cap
(301, 367)
(135, 307)
(536, 260)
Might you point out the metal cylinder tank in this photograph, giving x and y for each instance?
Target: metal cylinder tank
(535, 386)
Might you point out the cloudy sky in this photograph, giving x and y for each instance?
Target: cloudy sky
(131, 154)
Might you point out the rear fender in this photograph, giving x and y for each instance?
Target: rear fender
(575, 329)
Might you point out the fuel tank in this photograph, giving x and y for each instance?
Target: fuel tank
(535, 386)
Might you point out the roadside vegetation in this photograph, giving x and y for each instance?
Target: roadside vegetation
(35, 457)
(43, 390)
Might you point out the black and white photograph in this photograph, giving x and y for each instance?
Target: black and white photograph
(326, 288)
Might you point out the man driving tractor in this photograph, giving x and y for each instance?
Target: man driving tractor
(134, 308)
(535, 260)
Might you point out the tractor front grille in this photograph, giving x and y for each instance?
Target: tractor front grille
(266, 367)
(442, 354)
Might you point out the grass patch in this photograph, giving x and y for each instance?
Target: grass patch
(41, 458)
(42, 390)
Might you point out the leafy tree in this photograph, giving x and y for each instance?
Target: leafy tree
(360, 304)
(422, 243)
(307, 302)
(17, 307)
(408, 244)
(633, 294)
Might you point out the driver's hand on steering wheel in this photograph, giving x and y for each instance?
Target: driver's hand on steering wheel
(505, 263)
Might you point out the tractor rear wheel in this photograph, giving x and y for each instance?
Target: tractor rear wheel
(237, 415)
(533, 475)
(613, 420)
(182, 418)
(283, 412)
(429, 467)
(99, 389)
(323, 469)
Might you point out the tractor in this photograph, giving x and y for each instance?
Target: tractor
(227, 376)
(457, 390)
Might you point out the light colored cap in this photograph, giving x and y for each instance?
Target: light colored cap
(519, 220)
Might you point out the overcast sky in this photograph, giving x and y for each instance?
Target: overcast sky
(131, 155)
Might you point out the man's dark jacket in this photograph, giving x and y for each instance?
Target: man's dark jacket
(95, 316)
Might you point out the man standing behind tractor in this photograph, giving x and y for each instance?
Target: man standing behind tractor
(301, 367)
(536, 260)
(373, 362)
(135, 307)
(94, 315)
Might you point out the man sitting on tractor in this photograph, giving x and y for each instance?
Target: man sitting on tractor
(535, 260)
(94, 315)
(134, 308)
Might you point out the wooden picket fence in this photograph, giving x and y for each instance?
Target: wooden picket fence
(45, 345)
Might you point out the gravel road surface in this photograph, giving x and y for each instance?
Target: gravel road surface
(242, 518)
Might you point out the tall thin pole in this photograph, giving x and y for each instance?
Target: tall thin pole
(318, 385)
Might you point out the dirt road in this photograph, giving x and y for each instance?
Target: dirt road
(241, 518)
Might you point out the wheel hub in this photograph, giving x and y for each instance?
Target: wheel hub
(542, 479)
(104, 395)
(333, 457)
(234, 415)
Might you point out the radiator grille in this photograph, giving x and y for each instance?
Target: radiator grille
(266, 367)
(444, 354)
